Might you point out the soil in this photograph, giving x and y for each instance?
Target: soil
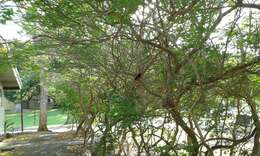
(42, 144)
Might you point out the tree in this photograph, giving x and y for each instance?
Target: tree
(33, 68)
(175, 53)
(43, 103)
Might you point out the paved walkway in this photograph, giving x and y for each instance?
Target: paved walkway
(53, 128)
(42, 144)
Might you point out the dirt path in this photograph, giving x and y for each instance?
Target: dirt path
(42, 144)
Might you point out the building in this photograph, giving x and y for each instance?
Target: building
(9, 79)
(34, 102)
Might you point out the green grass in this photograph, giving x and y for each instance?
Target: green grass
(31, 118)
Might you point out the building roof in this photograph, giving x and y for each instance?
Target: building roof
(10, 79)
(9, 76)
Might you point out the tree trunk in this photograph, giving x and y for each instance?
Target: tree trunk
(43, 104)
(194, 151)
(256, 148)
(171, 105)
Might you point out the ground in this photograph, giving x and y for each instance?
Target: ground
(60, 141)
(42, 144)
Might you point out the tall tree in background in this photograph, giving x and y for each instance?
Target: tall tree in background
(43, 102)
(34, 71)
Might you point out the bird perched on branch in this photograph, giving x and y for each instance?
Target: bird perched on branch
(138, 77)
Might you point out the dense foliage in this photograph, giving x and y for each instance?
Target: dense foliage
(152, 77)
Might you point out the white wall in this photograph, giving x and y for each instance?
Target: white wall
(8, 105)
(1, 94)
(2, 119)
(2, 110)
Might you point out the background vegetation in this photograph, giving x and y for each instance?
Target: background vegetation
(150, 77)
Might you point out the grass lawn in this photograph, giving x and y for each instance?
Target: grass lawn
(31, 118)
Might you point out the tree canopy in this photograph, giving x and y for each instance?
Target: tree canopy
(144, 74)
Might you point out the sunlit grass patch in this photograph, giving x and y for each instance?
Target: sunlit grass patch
(31, 118)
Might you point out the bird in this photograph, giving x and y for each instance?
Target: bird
(138, 76)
